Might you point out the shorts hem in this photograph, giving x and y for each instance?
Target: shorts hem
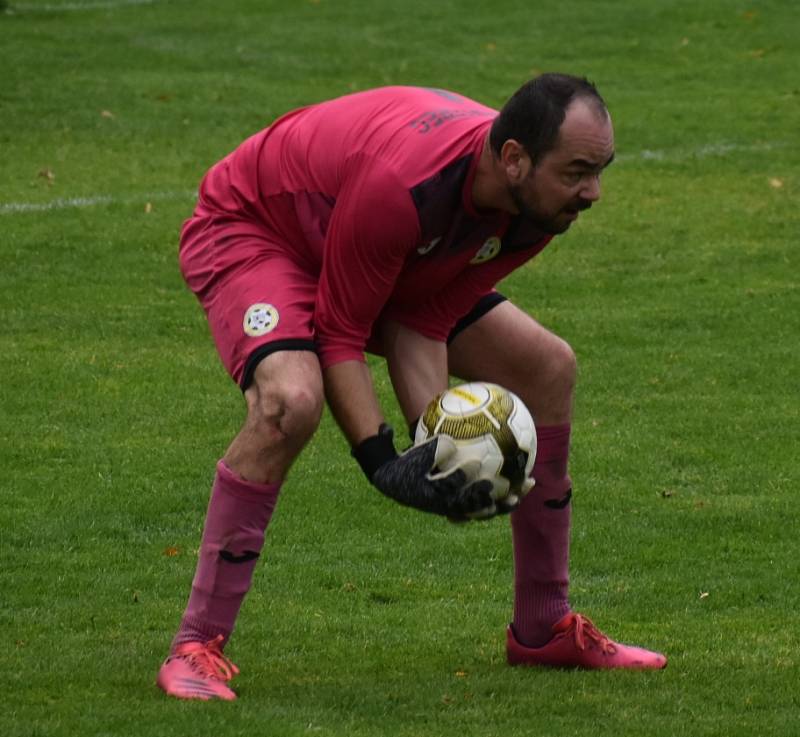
(260, 353)
(485, 304)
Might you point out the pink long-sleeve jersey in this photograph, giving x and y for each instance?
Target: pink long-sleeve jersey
(371, 193)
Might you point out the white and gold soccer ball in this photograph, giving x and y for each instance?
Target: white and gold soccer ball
(491, 426)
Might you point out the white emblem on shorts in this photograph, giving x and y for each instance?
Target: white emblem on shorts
(260, 319)
(487, 251)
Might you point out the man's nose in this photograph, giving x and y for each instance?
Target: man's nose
(591, 189)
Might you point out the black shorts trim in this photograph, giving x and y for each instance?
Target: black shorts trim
(482, 306)
(259, 354)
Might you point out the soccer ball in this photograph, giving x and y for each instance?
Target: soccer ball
(489, 424)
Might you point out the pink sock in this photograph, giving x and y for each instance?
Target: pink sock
(237, 518)
(540, 529)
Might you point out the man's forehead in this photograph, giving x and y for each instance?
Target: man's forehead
(586, 136)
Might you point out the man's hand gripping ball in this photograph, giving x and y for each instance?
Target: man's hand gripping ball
(414, 478)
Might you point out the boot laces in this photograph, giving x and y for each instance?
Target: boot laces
(208, 660)
(585, 633)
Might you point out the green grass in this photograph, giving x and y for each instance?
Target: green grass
(679, 293)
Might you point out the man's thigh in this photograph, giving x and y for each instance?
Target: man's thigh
(507, 346)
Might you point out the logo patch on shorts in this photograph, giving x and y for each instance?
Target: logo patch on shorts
(487, 251)
(260, 319)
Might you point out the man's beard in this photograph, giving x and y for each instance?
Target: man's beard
(545, 223)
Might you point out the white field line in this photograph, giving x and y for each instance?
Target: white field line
(71, 203)
(721, 149)
(667, 155)
(91, 5)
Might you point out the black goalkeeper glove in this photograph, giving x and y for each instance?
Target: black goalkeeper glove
(414, 480)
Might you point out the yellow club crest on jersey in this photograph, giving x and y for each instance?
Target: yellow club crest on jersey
(487, 251)
(260, 319)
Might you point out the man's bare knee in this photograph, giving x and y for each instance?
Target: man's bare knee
(284, 407)
(545, 379)
(285, 412)
(561, 366)
(286, 395)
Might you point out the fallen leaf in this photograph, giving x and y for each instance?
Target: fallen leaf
(461, 674)
(704, 594)
(171, 551)
(106, 114)
(148, 208)
(47, 174)
(776, 183)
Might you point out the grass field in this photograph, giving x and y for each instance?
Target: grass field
(679, 293)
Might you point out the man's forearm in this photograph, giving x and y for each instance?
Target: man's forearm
(351, 397)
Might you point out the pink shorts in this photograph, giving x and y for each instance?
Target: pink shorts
(256, 299)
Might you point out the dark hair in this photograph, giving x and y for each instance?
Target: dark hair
(535, 112)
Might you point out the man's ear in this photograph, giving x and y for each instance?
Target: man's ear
(515, 160)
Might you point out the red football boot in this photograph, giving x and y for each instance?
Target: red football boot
(577, 643)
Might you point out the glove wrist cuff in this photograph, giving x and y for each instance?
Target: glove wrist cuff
(375, 451)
